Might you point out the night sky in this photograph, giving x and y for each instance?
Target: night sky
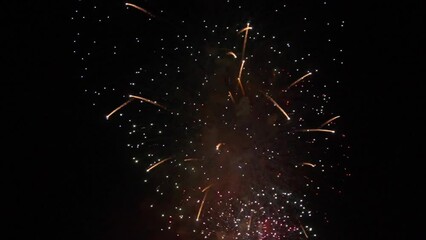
(69, 174)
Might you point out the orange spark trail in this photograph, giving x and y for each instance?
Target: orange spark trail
(148, 101)
(190, 159)
(232, 54)
(329, 121)
(278, 106)
(246, 29)
(139, 8)
(207, 188)
(201, 206)
(308, 164)
(155, 165)
(232, 98)
(219, 145)
(118, 108)
(318, 130)
(239, 78)
(298, 80)
(304, 232)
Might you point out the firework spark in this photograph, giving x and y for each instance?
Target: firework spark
(132, 97)
(140, 9)
(329, 121)
(277, 106)
(190, 159)
(239, 78)
(317, 130)
(231, 97)
(298, 80)
(246, 30)
(201, 206)
(158, 163)
(118, 108)
(231, 54)
(308, 164)
(148, 101)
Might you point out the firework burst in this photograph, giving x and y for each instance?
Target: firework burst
(235, 139)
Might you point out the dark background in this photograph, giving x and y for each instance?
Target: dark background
(65, 177)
